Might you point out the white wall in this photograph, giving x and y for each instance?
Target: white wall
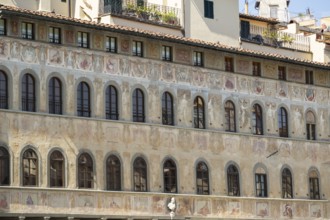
(318, 49)
(26, 4)
(282, 13)
(223, 28)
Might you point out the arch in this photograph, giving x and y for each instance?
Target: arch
(202, 178)
(85, 173)
(230, 116)
(257, 119)
(314, 183)
(310, 125)
(30, 164)
(287, 183)
(138, 105)
(9, 78)
(28, 93)
(83, 99)
(113, 173)
(4, 167)
(3, 90)
(55, 96)
(170, 176)
(167, 109)
(36, 86)
(56, 169)
(140, 174)
(111, 103)
(260, 180)
(233, 179)
(283, 123)
(199, 112)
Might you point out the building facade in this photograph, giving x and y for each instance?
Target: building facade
(103, 121)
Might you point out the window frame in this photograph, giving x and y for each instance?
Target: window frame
(309, 77)
(282, 73)
(310, 126)
(81, 35)
(55, 102)
(111, 44)
(140, 173)
(287, 186)
(199, 113)
(60, 164)
(3, 27)
(314, 185)
(28, 93)
(282, 117)
(35, 158)
(167, 54)
(202, 174)
(229, 64)
(256, 68)
(233, 180)
(4, 96)
(230, 117)
(113, 173)
(84, 108)
(261, 186)
(111, 103)
(257, 120)
(198, 58)
(85, 169)
(167, 109)
(25, 27)
(137, 48)
(209, 9)
(52, 35)
(170, 178)
(138, 108)
(4, 167)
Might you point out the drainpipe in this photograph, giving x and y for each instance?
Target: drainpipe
(69, 8)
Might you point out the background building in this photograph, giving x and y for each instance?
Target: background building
(103, 120)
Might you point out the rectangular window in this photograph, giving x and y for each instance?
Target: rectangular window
(137, 49)
(166, 53)
(261, 185)
(54, 35)
(2, 26)
(198, 58)
(310, 129)
(256, 69)
(229, 64)
(309, 77)
(245, 29)
(281, 73)
(208, 9)
(27, 30)
(273, 11)
(111, 44)
(83, 39)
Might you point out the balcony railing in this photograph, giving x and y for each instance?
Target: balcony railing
(144, 11)
(275, 38)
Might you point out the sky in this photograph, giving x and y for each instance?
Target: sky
(319, 8)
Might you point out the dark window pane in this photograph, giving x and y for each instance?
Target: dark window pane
(202, 179)
(55, 96)
(4, 167)
(3, 90)
(230, 124)
(257, 121)
(233, 181)
(199, 114)
(83, 100)
(111, 104)
(167, 109)
(140, 175)
(30, 168)
(169, 171)
(85, 171)
(138, 106)
(286, 184)
(28, 93)
(56, 171)
(113, 173)
(283, 122)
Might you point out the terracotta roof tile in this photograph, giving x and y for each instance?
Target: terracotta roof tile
(168, 37)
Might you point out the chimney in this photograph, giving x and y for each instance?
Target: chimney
(246, 7)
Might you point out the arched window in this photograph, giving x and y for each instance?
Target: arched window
(233, 181)
(283, 122)
(140, 175)
(169, 171)
(4, 167)
(167, 109)
(310, 126)
(55, 96)
(28, 93)
(287, 184)
(138, 106)
(3, 90)
(113, 173)
(314, 188)
(199, 114)
(30, 168)
(261, 182)
(230, 116)
(83, 100)
(85, 171)
(56, 169)
(111, 103)
(257, 120)
(202, 179)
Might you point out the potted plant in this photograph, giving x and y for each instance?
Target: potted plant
(286, 38)
(169, 17)
(130, 9)
(143, 12)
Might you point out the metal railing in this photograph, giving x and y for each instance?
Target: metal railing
(266, 36)
(144, 11)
